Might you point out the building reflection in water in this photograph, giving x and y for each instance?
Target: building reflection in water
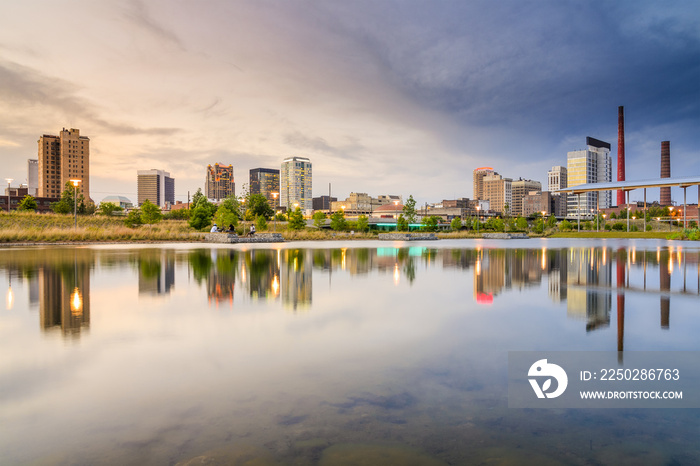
(156, 271)
(57, 283)
(58, 280)
(588, 280)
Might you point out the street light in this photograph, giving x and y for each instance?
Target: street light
(396, 205)
(274, 195)
(75, 201)
(9, 180)
(478, 208)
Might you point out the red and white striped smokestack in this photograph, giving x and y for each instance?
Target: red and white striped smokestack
(620, 152)
(665, 171)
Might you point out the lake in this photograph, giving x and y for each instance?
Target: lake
(321, 353)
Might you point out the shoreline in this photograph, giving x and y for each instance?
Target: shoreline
(585, 235)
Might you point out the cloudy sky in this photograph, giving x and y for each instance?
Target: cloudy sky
(384, 97)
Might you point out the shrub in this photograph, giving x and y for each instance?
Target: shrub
(648, 227)
(133, 218)
(260, 223)
(296, 220)
(565, 225)
(619, 226)
(607, 227)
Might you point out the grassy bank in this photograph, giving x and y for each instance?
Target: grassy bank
(22, 227)
(611, 234)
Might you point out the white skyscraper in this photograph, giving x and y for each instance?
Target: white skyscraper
(32, 176)
(591, 165)
(295, 183)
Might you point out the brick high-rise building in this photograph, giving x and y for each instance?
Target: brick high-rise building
(266, 181)
(498, 191)
(63, 158)
(220, 183)
(479, 175)
(520, 189)
(156, 186)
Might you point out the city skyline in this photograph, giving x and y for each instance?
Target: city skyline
(383, 99)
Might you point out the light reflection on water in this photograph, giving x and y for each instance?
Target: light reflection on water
(329, 353)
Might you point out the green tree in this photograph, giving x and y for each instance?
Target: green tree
(108, 208)
(551, 221)
(296, 220)
(28, 203)
(233, 205)
(338, 221)
(468, 224)
(539, 225)
(257, 205)
(260, 223)
(402, 223)
(430, 223)
(201, 216)
(521, 224)
(362, 223)
(319, 219)
(66, 205)
(456, 224)
(133, 218)
(150, 213)
(225, 217)
(506, 214)
(198, 197)
(409, 210)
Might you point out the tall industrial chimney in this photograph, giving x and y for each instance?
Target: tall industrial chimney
(665, 171)
(620, 152)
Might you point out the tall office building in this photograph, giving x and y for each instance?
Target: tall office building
(63, 158)
(498, 191)
(266, 181)
(556, 179)
(590, 165)
(479, 175)
(32, 177)
(156, 186)
(220, 183)
(295, 183)
(521, 188)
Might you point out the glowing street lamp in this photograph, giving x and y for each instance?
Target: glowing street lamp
(75, 201)
(274, 195)
(478, 208)
(9, 180)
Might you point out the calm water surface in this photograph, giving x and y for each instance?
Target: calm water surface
(332, 353)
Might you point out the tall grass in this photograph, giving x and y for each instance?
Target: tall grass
(28, 227)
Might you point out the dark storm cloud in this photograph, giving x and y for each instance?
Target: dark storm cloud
(23, 86)
(534, 63)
